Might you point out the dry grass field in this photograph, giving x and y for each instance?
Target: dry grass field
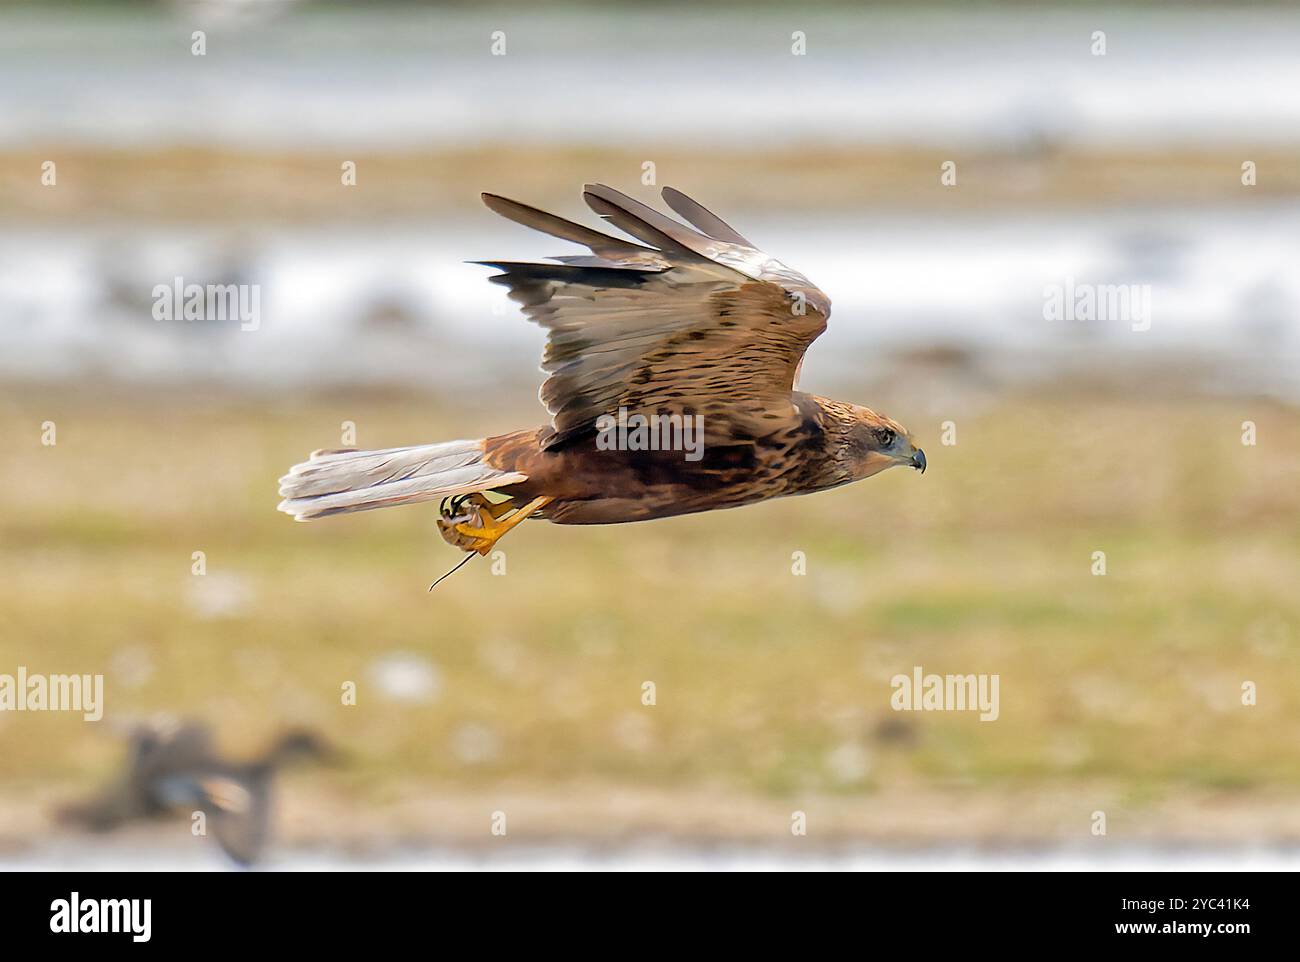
(1120, 692)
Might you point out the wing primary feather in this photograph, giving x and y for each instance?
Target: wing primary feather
(569, 274)
(703, 218)
(646, 223)
(603, 244)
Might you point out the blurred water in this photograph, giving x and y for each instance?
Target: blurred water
(376, 308)
(380, 308)
(1101, 856)
(295, 74)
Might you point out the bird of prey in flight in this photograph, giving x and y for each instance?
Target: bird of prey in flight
(689, 328)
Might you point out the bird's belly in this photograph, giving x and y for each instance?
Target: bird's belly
(592, 486)
(651, 504)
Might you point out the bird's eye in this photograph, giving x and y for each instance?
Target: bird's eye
(885, 437)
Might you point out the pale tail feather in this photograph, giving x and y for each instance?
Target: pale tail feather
(334, 482)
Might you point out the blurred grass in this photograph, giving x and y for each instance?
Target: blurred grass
(188, 184)
(768, 684)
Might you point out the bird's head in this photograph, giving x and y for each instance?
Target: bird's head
(868, 442)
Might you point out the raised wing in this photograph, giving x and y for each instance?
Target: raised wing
(664, 325)
(164, 744)
(239, 813)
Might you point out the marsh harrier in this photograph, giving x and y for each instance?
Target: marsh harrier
(690, 337)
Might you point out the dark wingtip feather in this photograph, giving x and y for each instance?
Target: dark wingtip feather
(645, 223)
(703, 218)
(522, 271)
(556, 226)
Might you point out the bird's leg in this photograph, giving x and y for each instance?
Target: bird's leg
(482, 526)
(492, 529)
(479, 501)
(452, 511)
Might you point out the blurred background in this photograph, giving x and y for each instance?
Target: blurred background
(522, 692)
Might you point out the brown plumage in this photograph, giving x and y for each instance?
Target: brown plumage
(686, 328)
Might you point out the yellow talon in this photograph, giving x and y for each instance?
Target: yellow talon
(493, 508)
(485, 526)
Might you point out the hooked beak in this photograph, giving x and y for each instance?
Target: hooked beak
(918, 460)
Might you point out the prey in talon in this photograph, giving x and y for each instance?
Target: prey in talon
(473, 523)
(672, 362)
